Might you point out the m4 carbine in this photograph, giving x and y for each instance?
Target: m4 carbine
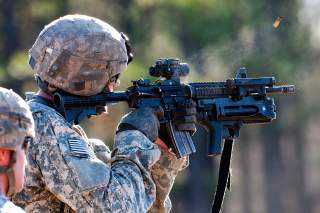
(222, 107)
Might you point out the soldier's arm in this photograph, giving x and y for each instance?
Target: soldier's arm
(164, 173)
(100, 149)
(75, 176)
(166, 169)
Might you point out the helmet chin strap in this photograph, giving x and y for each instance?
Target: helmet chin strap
(10, 173)
(44, 85)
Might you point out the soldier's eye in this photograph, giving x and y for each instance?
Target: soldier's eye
(114, 78)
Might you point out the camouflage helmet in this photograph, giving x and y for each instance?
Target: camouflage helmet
(16, 122)
(78, 54)
(16, 128)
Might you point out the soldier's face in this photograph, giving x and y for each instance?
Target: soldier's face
(112, 85)
(109, 88)
(19, 168)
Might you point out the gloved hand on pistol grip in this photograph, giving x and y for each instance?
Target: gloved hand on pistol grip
(145, 120)
(184, 117)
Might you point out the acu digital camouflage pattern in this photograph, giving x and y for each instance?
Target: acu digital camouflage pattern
(78, 54)
(16, 120)
(99, 148)
(7, 206)
(65, 175)
(164, 173)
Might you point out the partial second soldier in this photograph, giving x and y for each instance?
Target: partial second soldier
(68, 172)
(16, 132)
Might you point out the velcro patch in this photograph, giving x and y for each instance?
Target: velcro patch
(79, 148)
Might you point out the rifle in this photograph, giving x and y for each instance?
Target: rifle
(222, 108)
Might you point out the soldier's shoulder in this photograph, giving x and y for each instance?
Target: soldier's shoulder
(49, 124)
(7, 206)
(44, 114)
(36, 107)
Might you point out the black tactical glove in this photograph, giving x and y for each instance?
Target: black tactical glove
(184, 117)
(145, 120)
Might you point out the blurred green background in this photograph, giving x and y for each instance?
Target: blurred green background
(275, 167)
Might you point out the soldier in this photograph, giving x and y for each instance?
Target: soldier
(16, 130)
(68, 172)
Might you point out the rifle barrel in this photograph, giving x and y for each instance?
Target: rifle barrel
(283, 89)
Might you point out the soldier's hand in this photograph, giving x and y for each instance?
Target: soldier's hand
(145, 120)
(184, 117)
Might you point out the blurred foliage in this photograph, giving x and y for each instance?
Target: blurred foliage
(215, 38)
(17, 65)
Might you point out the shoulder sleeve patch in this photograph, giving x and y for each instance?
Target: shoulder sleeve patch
(79, 148)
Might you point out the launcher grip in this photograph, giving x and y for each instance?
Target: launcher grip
(219, 131)
(216, 133)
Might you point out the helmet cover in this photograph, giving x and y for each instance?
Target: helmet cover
(78, 54)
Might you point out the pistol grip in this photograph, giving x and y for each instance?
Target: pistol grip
(181, 141)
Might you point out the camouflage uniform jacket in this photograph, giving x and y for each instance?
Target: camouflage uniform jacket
(7, 206)
(64, 174)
